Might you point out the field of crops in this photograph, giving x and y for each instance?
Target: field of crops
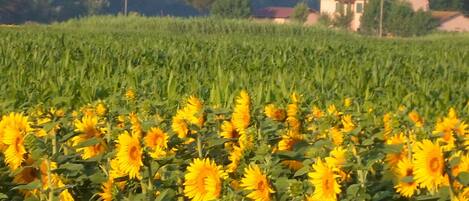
(114, 108)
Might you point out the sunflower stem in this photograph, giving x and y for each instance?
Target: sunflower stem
(199, 146)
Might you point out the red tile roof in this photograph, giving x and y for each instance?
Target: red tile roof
(275, 12)
(444, 16)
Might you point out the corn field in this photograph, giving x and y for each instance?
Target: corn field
(136, 108)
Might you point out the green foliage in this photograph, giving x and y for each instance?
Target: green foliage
(301, 12)
(344, 16)
(201, 5)
(231, 8)
(398, 19)
(446, 4)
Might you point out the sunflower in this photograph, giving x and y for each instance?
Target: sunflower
(429, 165)
(129, 155)
(241, 115)
(393, 158)
(179, 125)
(347, 123)
(256, 182)
(415, 117)
(191, 113)
(405, 168)
(157, 141)
(228, 131)
(462, 166)
(15, 127)
(106, 187)
(130, 95)
(235, 156)
(274, 113)
(448, 127)
(135, 125)
(336, 135)
(65, 195)
(324, 180)
(289, 140)
(336, 157)
(332, 110)
(292, 117)
(388, 124)
(101, 109)
(203, 180)
(88, 128)
(347, 102)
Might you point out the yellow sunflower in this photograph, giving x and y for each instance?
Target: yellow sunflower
(106, 187)
(429, 165)
(129, 155)
(130, 95)
(388, 124)
(203, 180)
(336, 157)
(88, 128)
(316, 112)
(347, 102)
(347, 123)
(157, 141)
(191, 113)
(415, 117)
(228, 131)
(324, 180)
(16, 126)
(293, 122)
(257, 183)
(405, 168)
(274, 113)
(241, 117)
(101, 109)
(235, 156)
(393, 158)
(179, 125)
(448, 127)
(336, 135)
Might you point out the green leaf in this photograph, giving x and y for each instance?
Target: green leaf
(3, 196)
(167, 194)
(72, 166)
(353, 189)
(216, 142)
(97, 178)
(454, 161)
(463, 178)
(393, 148)
(301, 171)
(36, 184)
(87, 143)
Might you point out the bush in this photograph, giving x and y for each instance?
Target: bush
(231, 8)
(301, 12)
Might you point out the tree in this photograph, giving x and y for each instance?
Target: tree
(300, 14)
(399, 19)
(446, 4)
(96, 6)
(231, 8)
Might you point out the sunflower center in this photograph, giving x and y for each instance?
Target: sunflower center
(261, 185)
(133, 152)
(18, 142)
(327, 185)
(434, 164)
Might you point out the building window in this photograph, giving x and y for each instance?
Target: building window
(359, 8)
(339, 7)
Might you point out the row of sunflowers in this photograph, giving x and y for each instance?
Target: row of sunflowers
(289, 152)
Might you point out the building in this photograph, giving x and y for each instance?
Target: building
(451, 21)
(334, 7)
(283, 15)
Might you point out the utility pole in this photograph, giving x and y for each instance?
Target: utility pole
(381, 19)
(125, 7)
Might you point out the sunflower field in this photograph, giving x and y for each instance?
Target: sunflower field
(115, 108)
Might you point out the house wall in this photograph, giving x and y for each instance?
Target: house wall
(312, 19)
(281, 20)
(457, 24)
(419, 4)
(327, 7)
